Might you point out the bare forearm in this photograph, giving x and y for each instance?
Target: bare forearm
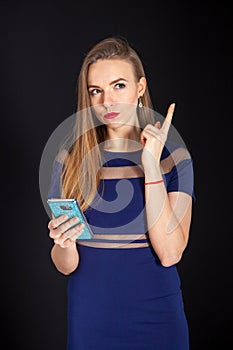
(66, 260)
(165, 232)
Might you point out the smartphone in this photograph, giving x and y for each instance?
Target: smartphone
(71, 208)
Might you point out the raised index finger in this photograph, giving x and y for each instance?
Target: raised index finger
(168, 119)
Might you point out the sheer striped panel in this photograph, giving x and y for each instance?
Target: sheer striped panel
(132, 173)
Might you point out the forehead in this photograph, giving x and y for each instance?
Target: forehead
(105, 71)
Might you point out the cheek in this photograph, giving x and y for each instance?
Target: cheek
(128, 110)
(98, 111)
(130, 97)
(94, 100)
(134, 96)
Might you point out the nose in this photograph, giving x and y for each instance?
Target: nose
(107, 99)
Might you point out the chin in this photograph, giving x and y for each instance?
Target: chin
(114, 125)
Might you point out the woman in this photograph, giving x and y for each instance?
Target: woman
(135, 188)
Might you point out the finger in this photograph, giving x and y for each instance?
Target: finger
(150, 131)
(70, 235)
(144, 136)
(73, 232)
(67, 243)
(67, 225)
(76, 236)
(57, 232)
(54, 223)
(168, 119)
(158, 125)
(153, 134)
(153, 129)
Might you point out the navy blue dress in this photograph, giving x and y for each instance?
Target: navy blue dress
(120, 297)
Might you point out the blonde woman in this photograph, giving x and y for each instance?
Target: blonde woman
(136, 190)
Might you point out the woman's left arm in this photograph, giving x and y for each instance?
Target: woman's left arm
(168, 214)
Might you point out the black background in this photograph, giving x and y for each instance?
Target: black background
(186, 48)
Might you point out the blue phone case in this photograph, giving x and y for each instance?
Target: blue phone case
(71, 208)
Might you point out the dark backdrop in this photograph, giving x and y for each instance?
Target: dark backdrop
(186, 48)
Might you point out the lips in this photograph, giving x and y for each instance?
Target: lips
(111, 115)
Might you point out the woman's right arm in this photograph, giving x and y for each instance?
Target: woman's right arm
(64, 253)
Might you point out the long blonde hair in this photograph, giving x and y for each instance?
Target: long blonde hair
(81, 179)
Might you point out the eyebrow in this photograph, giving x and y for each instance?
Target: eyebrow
(113, 82)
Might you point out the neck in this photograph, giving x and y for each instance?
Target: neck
(125, 139)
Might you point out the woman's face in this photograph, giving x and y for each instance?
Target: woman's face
(114, 91)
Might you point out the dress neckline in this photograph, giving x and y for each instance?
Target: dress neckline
(123, 152)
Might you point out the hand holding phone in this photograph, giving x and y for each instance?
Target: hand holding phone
(63, 231)
(71, 208)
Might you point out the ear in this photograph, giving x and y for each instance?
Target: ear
(141, 86)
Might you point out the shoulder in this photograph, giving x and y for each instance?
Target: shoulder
(62, 156)
(172, 155)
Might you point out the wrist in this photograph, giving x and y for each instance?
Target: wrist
(71, 246)
(154, 182)
(152, 173)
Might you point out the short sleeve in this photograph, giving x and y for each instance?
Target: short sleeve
(180, 176)
(55, 183)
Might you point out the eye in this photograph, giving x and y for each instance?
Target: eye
(120, 85)
(94, 92)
